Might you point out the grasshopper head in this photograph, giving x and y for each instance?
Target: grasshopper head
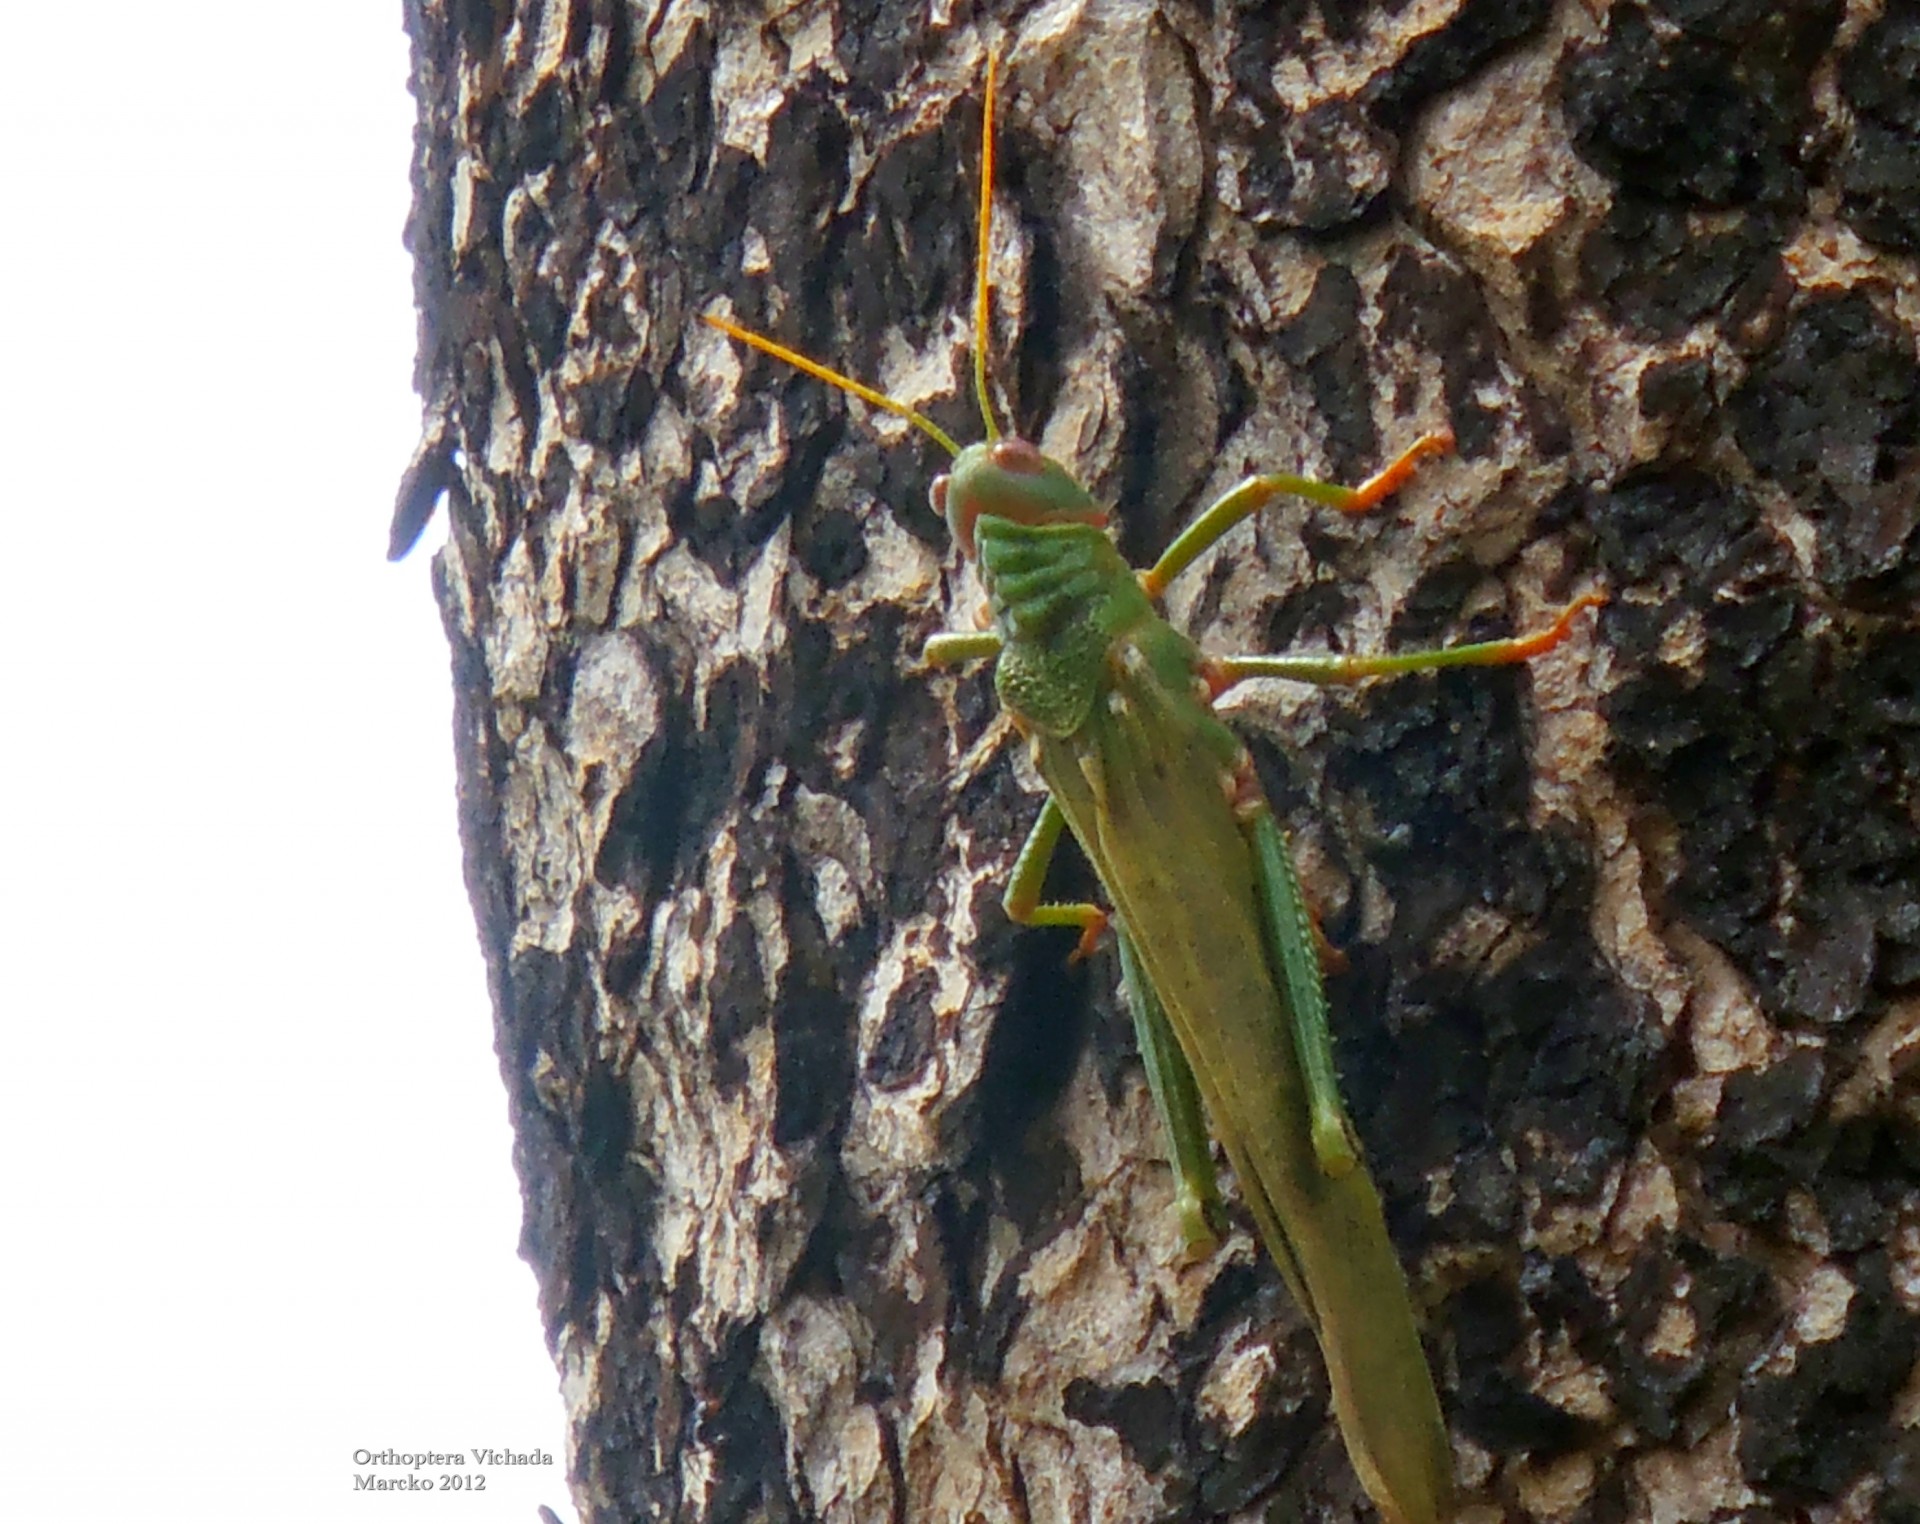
(1008, 478)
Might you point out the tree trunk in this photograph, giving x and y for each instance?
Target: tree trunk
(845, 1197)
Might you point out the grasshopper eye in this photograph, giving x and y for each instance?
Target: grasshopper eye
(1019, 457)
(937, 493)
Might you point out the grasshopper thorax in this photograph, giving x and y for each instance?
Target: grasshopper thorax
(1008, 478)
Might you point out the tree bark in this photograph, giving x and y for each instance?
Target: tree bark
(845, 1197)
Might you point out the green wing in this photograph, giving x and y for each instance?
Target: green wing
(1140, 782)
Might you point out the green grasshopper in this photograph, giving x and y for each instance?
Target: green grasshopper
(1219, 955)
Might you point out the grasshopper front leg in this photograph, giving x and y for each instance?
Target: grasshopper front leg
(1256, 492)
(949, 648)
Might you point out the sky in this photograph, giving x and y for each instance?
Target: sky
(258, 1192)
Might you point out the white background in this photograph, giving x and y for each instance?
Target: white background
(258, 1198)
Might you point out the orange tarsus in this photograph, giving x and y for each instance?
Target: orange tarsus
(1526, 647)
(1377, 489)
(1090, 935)
(1332, 960)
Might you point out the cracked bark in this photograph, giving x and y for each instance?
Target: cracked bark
(844, 1197)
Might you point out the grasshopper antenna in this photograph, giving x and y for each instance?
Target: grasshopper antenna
(865, 393)
(982, 308)
(983, 282)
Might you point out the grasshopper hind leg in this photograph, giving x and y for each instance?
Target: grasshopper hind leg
(1295, 945)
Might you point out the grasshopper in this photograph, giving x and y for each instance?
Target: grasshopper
(1219, 955)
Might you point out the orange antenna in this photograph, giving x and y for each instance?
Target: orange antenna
(983, 282)
(867, 394)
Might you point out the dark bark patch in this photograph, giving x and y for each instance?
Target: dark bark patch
(1142, 528)
(788, 201)
(1435, 307)
(1038, 1034)
(982, 1319)
(479, 23)
(740, 1423)
(1880, 171)
(1237, 1470)
(830, 545)
(884, 39)
(908, 259)
(1660, 268)
(1663, 1384)
(1770, 1138)
(544, 318)
(1264, 33)
(813, 1056)
(1317, 609)
(1680, 527)
(1768, 1105)
(1814, 1430)
(1145, 1414)
(1546, 1049)
(1833, 415)
(586, 1213)
(1560, 1299)
(1880, 182)
(1830, 960)
(1032, 180)
(540, 1015)
(1499, 1411)
(1324, 340)
(613, 410)
(617, 63)
(1486, 1200)
(1701, 101)
(606, 1123)
(1817, 740)
(638, 1401)
(1414, 1075)
(1648, 1380)
(737, 998)
(903, 1047)
(665, 818)
(1574, 1062)
(837, 681)
(1322, 170)
(677, 121)
(546, 132)
(1899, 1501)
(728, 535)
(1867, 1182)
(1438, 767)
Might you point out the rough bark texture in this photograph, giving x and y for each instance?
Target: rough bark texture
(845, 1197)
